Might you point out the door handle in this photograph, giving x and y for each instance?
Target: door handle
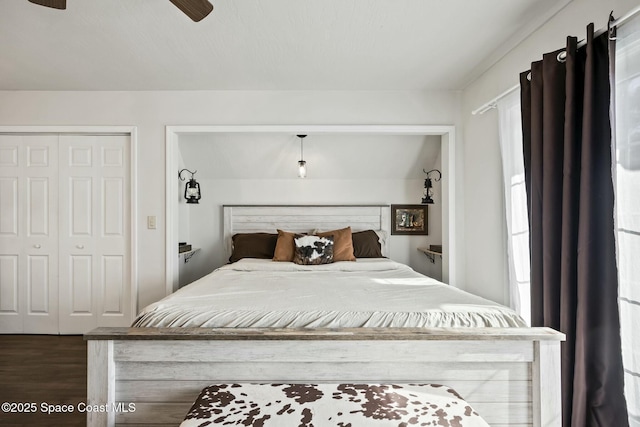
(37, 246)
(80, 246)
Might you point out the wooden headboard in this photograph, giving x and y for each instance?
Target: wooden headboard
(304, 218)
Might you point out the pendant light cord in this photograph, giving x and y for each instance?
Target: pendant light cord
(301, 146)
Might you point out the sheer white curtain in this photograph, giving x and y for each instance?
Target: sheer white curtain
(627, 175)
(515, 196)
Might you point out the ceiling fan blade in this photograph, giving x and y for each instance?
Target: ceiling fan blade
(194, 9)
(55, 4)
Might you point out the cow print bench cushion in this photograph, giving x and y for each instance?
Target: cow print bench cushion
(340, 405)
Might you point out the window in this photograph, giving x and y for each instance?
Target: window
(627, 188)
(515, 197)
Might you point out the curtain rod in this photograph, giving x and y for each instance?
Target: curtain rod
(616, 23)
(490, 105)
(624, 18)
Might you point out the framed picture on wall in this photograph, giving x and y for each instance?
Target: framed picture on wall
(409, 220)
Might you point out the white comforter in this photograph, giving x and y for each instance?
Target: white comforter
(254, 293)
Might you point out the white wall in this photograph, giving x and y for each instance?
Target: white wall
(183, 224)
(485, 232)
(152, 111)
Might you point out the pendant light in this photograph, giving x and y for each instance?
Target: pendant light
(302, 165)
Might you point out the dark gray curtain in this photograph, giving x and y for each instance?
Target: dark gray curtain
(574, 286)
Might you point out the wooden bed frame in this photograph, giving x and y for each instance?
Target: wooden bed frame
(511, 376)
(304, 219)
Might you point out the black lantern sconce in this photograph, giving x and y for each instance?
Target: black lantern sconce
(428, 186)
(192, 188)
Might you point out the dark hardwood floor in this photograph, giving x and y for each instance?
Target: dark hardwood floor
(43, 369)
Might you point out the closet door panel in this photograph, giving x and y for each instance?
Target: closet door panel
(12, 244)
(28, 233)
(9, 206)
(10, 313)
(80, 282)
(9, 287)
(113, 285)
(38, 284)
(94, 240)
(80, 206)
(77, 237)
(9, 151)
(113, 201)
(115, 307)
(40, 209)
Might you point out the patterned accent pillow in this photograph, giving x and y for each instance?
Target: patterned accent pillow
(313, 250)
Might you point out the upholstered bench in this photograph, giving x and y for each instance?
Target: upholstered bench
(342, 405)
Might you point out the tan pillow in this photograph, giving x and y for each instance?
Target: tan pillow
(342, 244)
(285, 246)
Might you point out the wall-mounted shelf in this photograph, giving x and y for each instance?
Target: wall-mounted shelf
(187, 255)
(430, 254)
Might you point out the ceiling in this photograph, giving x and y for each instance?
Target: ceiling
(261, 44)
(335, 156)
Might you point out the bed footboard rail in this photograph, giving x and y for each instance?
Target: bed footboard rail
(151, 376)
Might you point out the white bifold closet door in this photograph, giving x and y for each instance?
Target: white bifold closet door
(29, 234)
(64, 233)
(94, 232)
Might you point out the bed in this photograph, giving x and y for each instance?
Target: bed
(369, 292)
(363, 321)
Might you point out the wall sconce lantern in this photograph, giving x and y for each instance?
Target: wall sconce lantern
(191, 188)
(302, 165)
(428, 186)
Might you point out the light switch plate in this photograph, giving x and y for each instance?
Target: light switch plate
(151, 222)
